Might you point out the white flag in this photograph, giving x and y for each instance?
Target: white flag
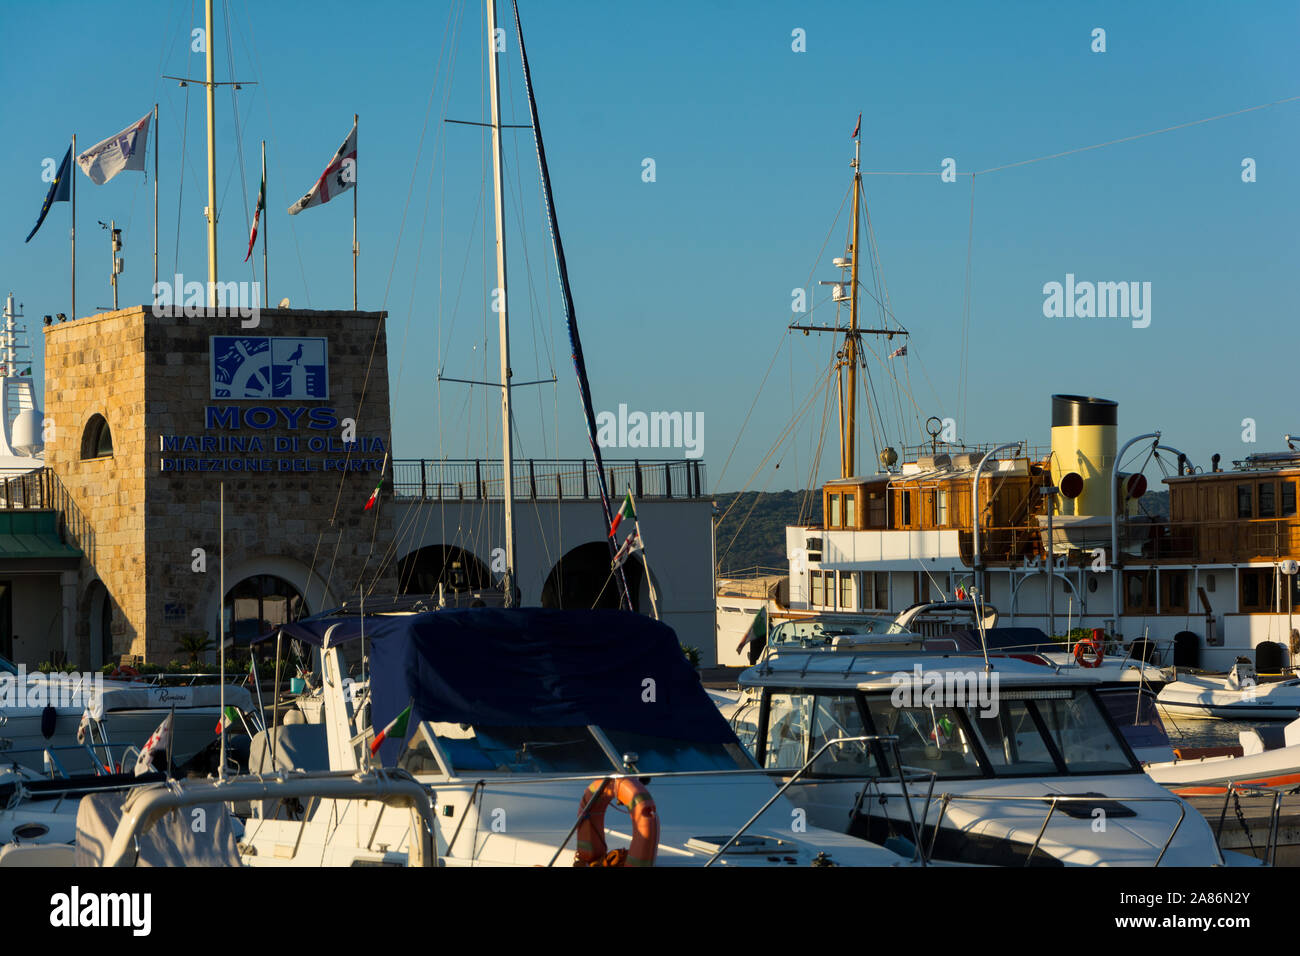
(339, 176)
(126, 150)
(630, 546)
(157, 744)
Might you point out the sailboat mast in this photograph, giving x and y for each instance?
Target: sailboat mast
(499, 300)
(211, 87)
(851, 340)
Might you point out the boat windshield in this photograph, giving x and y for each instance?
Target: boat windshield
(1056, 732)
(575, 750)
(820, 633)
(1134, 712)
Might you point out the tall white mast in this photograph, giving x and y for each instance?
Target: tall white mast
(212, 160)
(499, 303)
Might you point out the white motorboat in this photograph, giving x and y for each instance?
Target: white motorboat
(50, 708)
(1268, 756)
(515, 714)
(1241, 695)
(1016, 764)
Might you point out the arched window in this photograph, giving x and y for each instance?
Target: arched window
(96, 440)
(258, 605)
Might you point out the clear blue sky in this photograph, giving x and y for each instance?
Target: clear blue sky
(683, 285)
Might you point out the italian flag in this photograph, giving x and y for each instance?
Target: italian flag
(626, 511)
(257, 216)
(228, 717)
(374, 495)
(396, 728)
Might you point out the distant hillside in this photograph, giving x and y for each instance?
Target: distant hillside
(761, 519)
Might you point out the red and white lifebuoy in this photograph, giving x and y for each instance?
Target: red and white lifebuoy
(1089, 652)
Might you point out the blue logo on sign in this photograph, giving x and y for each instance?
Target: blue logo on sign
(260, 367)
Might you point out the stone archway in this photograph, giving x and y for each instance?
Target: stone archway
(456, 569)
(582, 580)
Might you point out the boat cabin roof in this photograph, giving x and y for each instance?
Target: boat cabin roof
(881, 671)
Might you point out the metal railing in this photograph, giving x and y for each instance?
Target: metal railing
(1220, 541)
(443, 479)
(41, 490)
(1053, 800)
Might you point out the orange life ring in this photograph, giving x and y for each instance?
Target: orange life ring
(125, 671)
(632, 794)
(1089, 652)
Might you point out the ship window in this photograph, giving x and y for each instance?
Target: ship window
(834, 717)
(1243, 502)
(1081, 735)
(929, 738)
(1011, 740)
(940, 509)
(850, 511)
(882, 590)
(1139, 590)
(834, 521)
(818, 589)
(1288, 499)
(1258, 591)
(814, 548)
(536, 750)
(1174, 584)
(846, 591)
(905, 506)
(788, 718)
(876, 517)
(1267, 500)
(96, 440)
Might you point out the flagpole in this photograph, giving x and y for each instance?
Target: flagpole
(645, 563)
(355, 120)
(266, 277)
(155, 194)
(212, 180)
(73, 186)
(221, 618)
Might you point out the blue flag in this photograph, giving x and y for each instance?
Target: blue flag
(58, 191)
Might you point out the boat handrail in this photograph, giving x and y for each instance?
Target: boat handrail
(1054, 800)
(1274, 819)
(891, 739)
(394, 787)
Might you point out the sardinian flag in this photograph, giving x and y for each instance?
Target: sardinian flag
(156, 745)
(339, 176)
(630, 546)
(126, 150)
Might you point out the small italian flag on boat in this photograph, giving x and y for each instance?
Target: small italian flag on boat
(396, 728)
(228, 717)
(626, 511)
(374, 495)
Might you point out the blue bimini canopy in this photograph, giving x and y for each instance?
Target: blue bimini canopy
(532, 667)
